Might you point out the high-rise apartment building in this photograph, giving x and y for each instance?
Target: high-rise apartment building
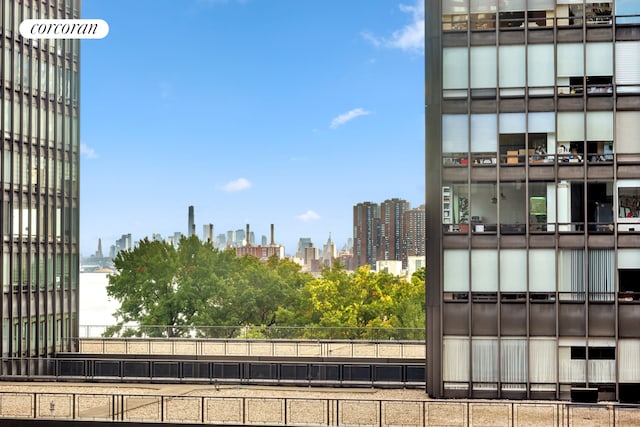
(414, 237)
(533, 198)
(392, 230)
(366, 233)
(39, 121)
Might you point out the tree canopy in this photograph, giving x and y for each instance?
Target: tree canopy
(197, 285)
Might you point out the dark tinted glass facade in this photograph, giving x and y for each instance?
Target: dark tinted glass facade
(39, 118)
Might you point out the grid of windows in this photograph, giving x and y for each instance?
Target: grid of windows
(39, 82)
(533, 167)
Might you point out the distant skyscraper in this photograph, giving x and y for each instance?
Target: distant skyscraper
(99, 251)
(263, 240)
(303, 243)
(40, 159)
(123, 243)
(221, 241)
(207, 233)
(329, 252)
(309, 255)
(391, 230)
(231, 238)
(191, 229)
(413, 241)
(366, 224)
(240, 237)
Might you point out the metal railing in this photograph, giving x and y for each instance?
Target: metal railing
(296, 411)
(258, 332)
(233, 347)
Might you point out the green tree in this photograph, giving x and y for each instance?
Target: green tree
(357, 301)
(145, 285)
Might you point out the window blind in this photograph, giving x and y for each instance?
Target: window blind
(455, 72)
(513, 361)
(512, 5)
(483, 6)
(599, 59)
(512, 69)
(571, 274)
(455, 133)
(456, 270)
(571, 126)
(627, 131)
(601, 274)
(483, 67)
(485, 359)
(512, 123)
(542, 122)
(627, 63)
(484, 136)
(570, 60)
(513, 270)
(540, 5)
(455, 359)
(484, 270)
(455, 7)
(628, 361)
(628, 258)
(600, 126)
(542, 270)
(542, 360)
(540, 72)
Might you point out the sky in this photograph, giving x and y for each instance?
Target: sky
(284, 112)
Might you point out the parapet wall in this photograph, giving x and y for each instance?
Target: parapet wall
(274, 411)
(254, 348)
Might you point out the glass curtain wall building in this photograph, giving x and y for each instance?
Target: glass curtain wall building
(39, 172)
(533, 198)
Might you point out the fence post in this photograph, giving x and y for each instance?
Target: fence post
(513, 410)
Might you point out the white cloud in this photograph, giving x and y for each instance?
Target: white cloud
(88, 152)
(237, 185)
(308, 216)
(348, 116)
(409, 38)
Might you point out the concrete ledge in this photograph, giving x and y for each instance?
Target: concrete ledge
(223, 411)
(294, 406)
(241, 347)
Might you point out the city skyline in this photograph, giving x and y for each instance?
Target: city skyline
(119, 243)
(250, 114)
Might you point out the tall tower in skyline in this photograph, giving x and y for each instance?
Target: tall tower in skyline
(191, 227)
(99, 251)
(533, 199)
(392, 229)
(366, 233)
(414, 237)
(40, 128)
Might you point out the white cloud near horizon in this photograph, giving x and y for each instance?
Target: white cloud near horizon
(348, 116)
(409, 38)
(308, 216)
(239, 184)
(88, 152)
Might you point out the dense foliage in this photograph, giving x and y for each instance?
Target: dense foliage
(195, 284)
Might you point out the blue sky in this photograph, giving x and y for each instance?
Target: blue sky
(254, 111)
